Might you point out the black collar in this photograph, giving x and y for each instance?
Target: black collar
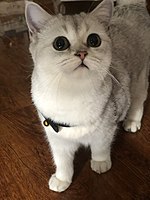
(56, 126)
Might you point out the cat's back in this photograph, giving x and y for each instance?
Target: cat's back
(132, 11)
(131, 19)
(130, 34)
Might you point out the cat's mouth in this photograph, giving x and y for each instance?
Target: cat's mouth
(82, 65)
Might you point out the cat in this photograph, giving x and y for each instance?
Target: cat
(90, 73)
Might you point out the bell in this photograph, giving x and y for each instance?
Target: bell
(46, 123)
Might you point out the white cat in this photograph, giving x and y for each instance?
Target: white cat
(90, 72)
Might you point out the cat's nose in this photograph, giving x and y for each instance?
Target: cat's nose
(81, 54)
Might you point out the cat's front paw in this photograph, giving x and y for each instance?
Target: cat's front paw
(132, 126)
(57, 185)
(101, 166)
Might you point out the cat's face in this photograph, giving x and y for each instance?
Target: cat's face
(75, 46)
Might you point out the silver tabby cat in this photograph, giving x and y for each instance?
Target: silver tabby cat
(90, 72)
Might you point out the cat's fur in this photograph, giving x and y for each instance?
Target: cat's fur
(92, 101)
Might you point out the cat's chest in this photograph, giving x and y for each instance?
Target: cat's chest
(70, 101)
(70, 107)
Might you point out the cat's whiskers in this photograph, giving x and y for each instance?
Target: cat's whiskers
(113, 77)
(66, 61)
(116, 69)
(71, 64)
(62, 61)
(97, 61)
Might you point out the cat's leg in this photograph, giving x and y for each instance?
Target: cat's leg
(101, 160)
(102, 163)
(138, 96)
(100, 153)
(63, 155)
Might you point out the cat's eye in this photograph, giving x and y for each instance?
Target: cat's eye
(61, 43)
(93, 40)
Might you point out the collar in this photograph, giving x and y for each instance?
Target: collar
(56, 126)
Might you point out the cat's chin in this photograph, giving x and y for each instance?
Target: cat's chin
(82, 66)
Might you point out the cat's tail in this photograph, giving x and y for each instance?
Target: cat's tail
(125, 2)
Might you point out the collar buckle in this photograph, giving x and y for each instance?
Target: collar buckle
(48, 122)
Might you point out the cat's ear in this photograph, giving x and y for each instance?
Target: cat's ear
(104, 11)
(35, 16)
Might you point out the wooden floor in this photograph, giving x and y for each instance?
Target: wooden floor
(25, 159)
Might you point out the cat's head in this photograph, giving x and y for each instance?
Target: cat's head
(75, 46)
